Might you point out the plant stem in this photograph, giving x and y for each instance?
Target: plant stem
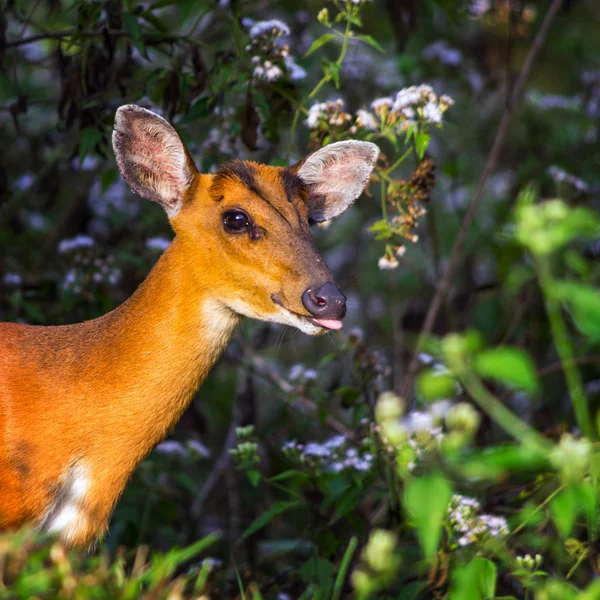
(387, 172)
(325, 79)
(565, 351)
(500, 414)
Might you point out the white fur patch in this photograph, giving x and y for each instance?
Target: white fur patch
(336, 176)
(280, 315)
(66, 516)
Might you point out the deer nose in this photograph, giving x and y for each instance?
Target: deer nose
(325, 302)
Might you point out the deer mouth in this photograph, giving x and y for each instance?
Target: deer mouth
(323, 324)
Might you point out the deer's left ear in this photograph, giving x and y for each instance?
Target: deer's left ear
(335, 176)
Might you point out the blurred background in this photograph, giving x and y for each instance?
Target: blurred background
(75, 242)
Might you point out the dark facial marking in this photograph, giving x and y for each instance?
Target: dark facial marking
(241, 170)
(291, 183)
(245, 173)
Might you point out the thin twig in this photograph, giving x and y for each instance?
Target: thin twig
(445, 281)
(299, 403)
(150, 38)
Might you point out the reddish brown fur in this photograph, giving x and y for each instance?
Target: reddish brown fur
(103, 393)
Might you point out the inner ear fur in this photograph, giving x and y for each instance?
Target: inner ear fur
(336, 176)
(151, 157)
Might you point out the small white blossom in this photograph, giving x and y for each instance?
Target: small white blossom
(432, 113)
(273, 73)
(315, 449)
(380, 103)
(387, 263)
(79, 241)
(295, 71)
(160, 243)
(296, 372)
(172, 448)
(366, 120)
(479, 7)
(273, 26)
(13, 279)
(443, 52)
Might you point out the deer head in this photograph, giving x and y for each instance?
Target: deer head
(245, 229)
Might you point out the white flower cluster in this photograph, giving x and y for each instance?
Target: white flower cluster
(410, 105)
(300, 373)
(191, 448)
(75, 243)
(272, 28)
(12, 279)
(271, 60)
(360, 1)
(443, 53)
(413, 436)
(559, 175)
(471, 527)
(332, 112)
(478, 8)
(88, 270)
(334, 455)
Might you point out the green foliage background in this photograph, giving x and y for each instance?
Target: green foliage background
(522, 375)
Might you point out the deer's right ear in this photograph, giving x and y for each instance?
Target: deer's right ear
(152, 157)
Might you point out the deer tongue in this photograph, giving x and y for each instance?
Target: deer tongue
(328, 323)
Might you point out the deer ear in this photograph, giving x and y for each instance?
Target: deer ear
(152, 157)
(336, 176)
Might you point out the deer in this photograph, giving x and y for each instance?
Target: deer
(82, 405)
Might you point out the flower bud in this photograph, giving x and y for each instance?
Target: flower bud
(389, 407)
(323, 16)
(462, 416)
(380, 549)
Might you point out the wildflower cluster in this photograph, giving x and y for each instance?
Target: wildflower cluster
(245, 454)
(467, 526)
(404, 197)
(329, 116)
(271, 59)
(528, 569)
(334, 456)
(412, 436)
(12, 279)
(561, 176)
(379, 564)
(88, 269)
(415, 105)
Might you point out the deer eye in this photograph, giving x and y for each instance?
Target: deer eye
(235, 221)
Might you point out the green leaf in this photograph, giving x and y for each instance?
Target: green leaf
(434, 385)
(422, 139)
(583, 302)
(318, 569)
(90, 136)
(274, 511)
(199, 110)
(320, 42)
(474, 581)
(426, 501)
(563, 510)
(381, 225)
(371, 41)
(333, 70)
(344, 565)
(134, 30)
(510, 366)
(254, 477)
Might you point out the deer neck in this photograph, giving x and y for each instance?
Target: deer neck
(161, 344)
